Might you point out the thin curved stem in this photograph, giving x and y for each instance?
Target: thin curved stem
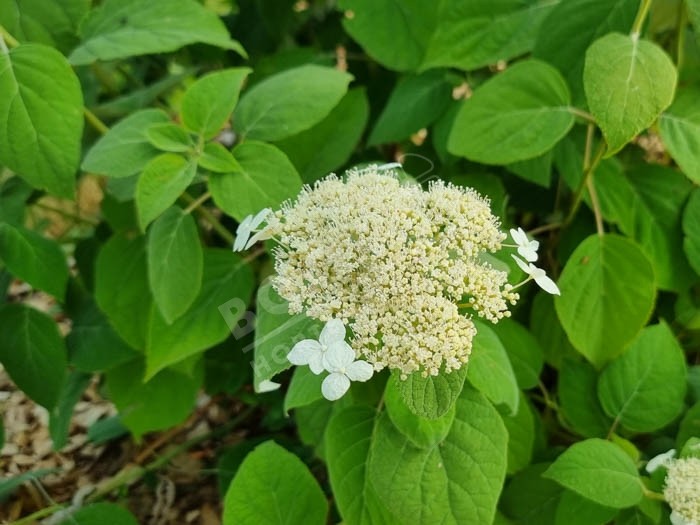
(639, 19)
(7, 38)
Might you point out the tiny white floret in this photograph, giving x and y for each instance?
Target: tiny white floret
(248, 226)
(539, 275)
(526, 248)
(310, 352)
(662, 460)
(339, 360)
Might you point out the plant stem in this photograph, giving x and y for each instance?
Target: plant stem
(7, 38)
(95, 122)
(544, 228)
(596, 207)
(198, 202)
(209, 217)
(46, 511)
(580, 113)
(639, 20)
(66, 214)
(588, 168)
(680, 48)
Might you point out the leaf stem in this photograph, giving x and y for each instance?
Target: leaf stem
(545, 228)
(34, 516)
(680, 48)
(588, 168)
(95, 122)
(66, 214)
(7, 38)
(639, 20)
(198, 202)
(209, 217)
(596, 207)
(580, 113)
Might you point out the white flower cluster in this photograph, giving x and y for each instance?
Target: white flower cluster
(682, 486)
(402, 267)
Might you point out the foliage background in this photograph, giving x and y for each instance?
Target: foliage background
(580, 119)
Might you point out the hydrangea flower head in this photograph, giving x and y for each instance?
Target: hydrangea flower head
(682, 490)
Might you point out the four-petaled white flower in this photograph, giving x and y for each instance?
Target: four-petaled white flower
(339, 360)
(247, 227)
(662, 460)
(310, 352)
(538, 274)
(526, 248)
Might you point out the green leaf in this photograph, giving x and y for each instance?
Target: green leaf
(209, 102)
(33, 352)
(276, 332)
(545, 326)
(524, 351)
(124, 28)
(471, 35)
(646, 202)
(226, 280)
(489, 369)
(62, 412)
(694, 15)
(521, 436)
(536, 169)
(121, 287)
(571, 26)
(304, 389)
(52, 23)
(680, 131)
(428, 96)
(14, 193)
(400, 45)
(34, 258)
(433, 396)
(42, 104)
(645, 387)
(101, 513)
(175, 261)
(530, 498)
(422, 432)
(9, 485)
(577, 510)
(124, 150)
(296, 499)
(690, 425)
(328, 145)
(163, 180)
(289, 102)
(691, 230)
(266, 179)
(455, 481)
(162, 402)
(169, 137)
(218, 159)
(628, 83)
(607, 294)
(348, 441)
(578, 399)
(600, 471)
(516, 115)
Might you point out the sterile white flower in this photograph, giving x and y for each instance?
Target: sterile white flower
(339, 360)
(662, 460)
(310, 352)
(539, 275)
(267, 386)
(249, 225)
(526, 248)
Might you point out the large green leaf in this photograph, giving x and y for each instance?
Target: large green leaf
(101, 513)
(571, 26)
(433, 396)
(600, 471)
(266, 179)
(393, 32)
(644, 389)
(226, 278)
(680, 131)
(42, 104)
(530, 498)
(516, 115)
(428, 96)
(33, 352)
(62, 413)
(628, 83)
(455, 481)
(574, 509)
(123, 28)
(209, 102)
(524, 351)
(694, 15)
(691, 230)
(34, 258)
(124, 150)
(521, 435)
(175, 261)
(296, 499)
(163, 180)
(289, 102)
(547, 329)
(162, 402)
(121, 287)
(304, 389)
(490, 371)
(326, 146)
(348, 441)
(474, 34)
(578, 399)
(646, 202)
(607, 294)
